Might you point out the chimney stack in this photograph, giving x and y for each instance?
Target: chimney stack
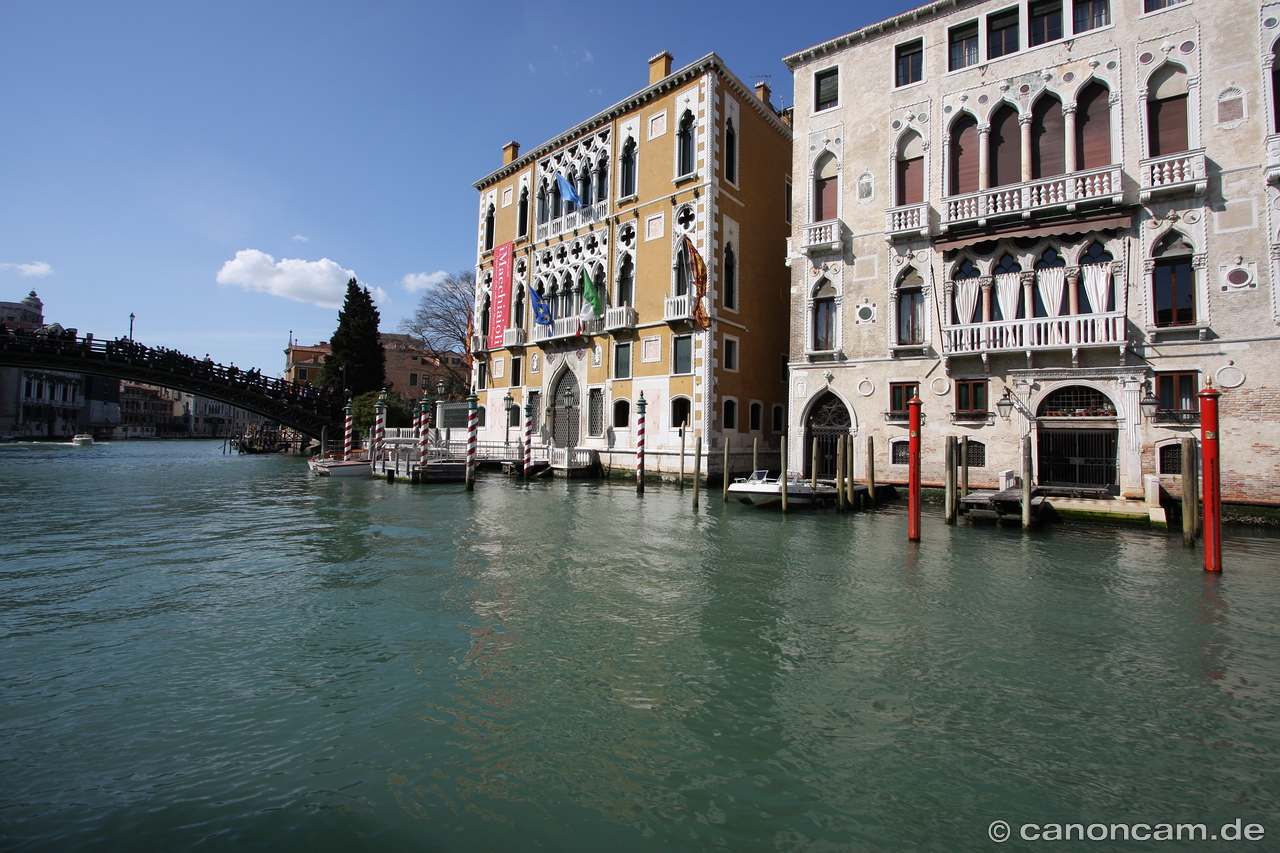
(510, 152)
(763, 92)
(659, 67)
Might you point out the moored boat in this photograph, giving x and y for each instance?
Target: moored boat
(762, 490)
(339, 467)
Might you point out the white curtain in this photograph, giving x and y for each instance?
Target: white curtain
(967, 290)
(1008, 285)
(1097, 285)
(1052, 283)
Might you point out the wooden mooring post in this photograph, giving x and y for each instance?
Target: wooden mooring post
(697, 468)
(871, 470)
(1190, 491)
(783, 478)
(949, 457)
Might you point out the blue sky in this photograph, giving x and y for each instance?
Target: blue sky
(221, 169)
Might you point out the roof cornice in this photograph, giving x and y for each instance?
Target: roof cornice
(710, 62)
(837, 44)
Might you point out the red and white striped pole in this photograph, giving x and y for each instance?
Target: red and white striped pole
(379, 427)
(473, 424)
(348, 421)
(1210, 473)
(528, 436)
(913, 472)
(640, 404)
(424, 434)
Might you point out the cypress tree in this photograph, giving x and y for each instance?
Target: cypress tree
(355, 345)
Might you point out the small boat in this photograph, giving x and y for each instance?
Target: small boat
(762, 490)
(83, 439)
(340, 467)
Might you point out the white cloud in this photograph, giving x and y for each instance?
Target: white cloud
(39, 268)
(416, 281)
(300, 239)
(321, 282)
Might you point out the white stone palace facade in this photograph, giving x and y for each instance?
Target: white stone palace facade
(1073, 203)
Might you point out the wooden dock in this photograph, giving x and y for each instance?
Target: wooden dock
(986, 503)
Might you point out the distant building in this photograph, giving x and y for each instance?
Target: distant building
(50, 403)
(1065, 207)
(679, 225)
(411, 369)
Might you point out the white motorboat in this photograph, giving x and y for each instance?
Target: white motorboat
(762, 490)
(339, 467)
(83, 439)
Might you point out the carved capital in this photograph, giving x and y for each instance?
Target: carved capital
(987, 282)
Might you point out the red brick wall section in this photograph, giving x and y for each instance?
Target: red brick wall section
(1250, 468)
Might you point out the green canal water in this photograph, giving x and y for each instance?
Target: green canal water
(209, 652)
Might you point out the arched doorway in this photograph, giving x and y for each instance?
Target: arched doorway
(828, 420)
(566, 403)
(1077, 438)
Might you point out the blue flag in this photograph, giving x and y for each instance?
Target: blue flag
(541, 310)
(567, 192)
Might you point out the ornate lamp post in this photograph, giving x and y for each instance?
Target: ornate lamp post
(130, 325)
(508, 404)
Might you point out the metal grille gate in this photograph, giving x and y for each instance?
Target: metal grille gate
(564, 412)
(828, 420)
(1085, 457)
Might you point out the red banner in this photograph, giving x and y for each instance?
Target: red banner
(500, 298)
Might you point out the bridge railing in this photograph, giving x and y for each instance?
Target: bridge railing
(167, 360)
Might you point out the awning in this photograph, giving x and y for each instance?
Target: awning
(1076, 225)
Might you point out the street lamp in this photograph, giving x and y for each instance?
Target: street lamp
(1005, 405)
(508, 403)
(1150, 403)
(130, 325)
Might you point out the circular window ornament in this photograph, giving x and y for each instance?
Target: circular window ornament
(923, 118)
(1230, 377)
(1187, 46)
(897, 125)
(866, 388)
(1024, 89)
(866, 313)
(1068, 77)
(982, 99)
(1112, 65)
(941, 385)
(1270, 23)
(947, 108)
(1146, 58)
(1238, 277)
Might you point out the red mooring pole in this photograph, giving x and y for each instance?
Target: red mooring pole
(913, 475)
(1210, 470)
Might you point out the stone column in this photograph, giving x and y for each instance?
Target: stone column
(1073, 290)
(988, 284)
(1024, 128)
(1028, 294)
(1069, 130)
(984, 156)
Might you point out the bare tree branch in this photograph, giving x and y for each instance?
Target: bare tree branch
(440, 319)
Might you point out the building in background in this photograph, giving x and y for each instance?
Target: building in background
(411, 369)
(1052, 211)
(640, 253)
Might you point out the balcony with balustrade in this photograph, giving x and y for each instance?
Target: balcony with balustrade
(908, 220)
(1273, 158)
(1172, 174)
(825, 236)
(1099, 187)
(1036, 333)
(677, 308)
(582, 218)
(622, 318)
(513, 337)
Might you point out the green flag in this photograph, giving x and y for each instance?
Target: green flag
(590, 294)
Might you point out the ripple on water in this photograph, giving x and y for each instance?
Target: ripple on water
(229, 653)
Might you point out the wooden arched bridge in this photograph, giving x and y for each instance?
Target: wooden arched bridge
(307, 409)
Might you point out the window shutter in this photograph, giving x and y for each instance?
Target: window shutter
(911, 181)
(1048, 139)
(824, 199)
(828, 89)
(1093, 128)
(1006, 148)
(1167, 120)
(964, 156)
